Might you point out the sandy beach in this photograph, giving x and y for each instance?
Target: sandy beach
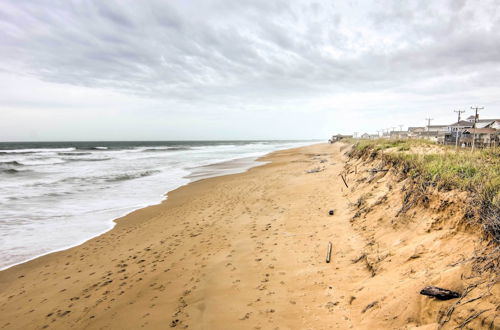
(247, 251)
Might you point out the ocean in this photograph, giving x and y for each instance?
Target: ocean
(54, 195)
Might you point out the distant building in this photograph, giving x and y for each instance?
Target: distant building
(436, 128)
(494, 124)
(488, 123)
(416, 129)
(485, 123)
(484, 132)
(339, 137)
(459, 126)
(483, 137)
(471, 118)
(434, 136)
(413, 132)
(398, 134)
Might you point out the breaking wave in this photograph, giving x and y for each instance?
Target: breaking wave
(87, 159)
(130, 176)
(74, 153)
(165, 149)
(11, 163)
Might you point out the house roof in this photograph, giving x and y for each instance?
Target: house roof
(487, 120)
(461, 123)
(471, 118)
(481, 131)
(437, 126)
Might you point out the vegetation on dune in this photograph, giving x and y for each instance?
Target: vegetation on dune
(446, 168)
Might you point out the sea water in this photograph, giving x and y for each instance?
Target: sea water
(54, 195)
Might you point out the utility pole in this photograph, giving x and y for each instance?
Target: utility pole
(355, 134)
(428, 122)
(378, 133)
(458, 125)
(400, 128)
(474, 126)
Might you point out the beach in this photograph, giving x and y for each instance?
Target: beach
(247, 251)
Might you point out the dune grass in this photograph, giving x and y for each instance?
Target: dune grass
(447, 168)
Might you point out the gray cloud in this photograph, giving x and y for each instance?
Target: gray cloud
(257, 53)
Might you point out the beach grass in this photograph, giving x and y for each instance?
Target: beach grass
(446, 167)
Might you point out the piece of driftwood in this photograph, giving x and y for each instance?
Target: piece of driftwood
(373, 304)
(329, 252)
(344, 180)
(439, 293)
(374, 170)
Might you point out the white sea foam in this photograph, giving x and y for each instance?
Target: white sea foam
(41, 161)
(54, 198)
(31, 150)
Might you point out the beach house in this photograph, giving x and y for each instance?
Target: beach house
(399, 135)
(485, 123)
(338, 137)
(483, 137)
(413, 132)
(435, 133)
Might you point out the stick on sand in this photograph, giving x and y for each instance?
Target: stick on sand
(344, 180)
(329, 252)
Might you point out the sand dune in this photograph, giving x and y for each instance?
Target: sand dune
(247, 251)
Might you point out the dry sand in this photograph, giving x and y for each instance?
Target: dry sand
(247, 251)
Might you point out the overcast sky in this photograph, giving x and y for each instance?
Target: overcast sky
(241, 69)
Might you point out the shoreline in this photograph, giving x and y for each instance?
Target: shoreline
(251, 162)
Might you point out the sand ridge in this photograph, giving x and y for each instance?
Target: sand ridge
(244, 251)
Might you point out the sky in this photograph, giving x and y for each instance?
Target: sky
(246, 69)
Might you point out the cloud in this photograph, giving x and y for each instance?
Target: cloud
(259, 55)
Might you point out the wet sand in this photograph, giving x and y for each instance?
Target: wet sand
(243, 251)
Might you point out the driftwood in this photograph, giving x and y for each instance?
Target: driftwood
(344, 180)
(329, 252)
(439, 293)
(374, 170)
(373, 304)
